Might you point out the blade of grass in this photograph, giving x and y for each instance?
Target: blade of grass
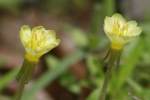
(6, 79)
(132, 60)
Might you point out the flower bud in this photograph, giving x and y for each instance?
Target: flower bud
(37, 41)
(120, 31)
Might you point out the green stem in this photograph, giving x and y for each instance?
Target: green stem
(20, 91)
(118, 60)
(110, 7)
(107, 55)
(23, 77)
(112, 59)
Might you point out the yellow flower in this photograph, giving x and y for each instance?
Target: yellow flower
(37, 41)
(120, 31)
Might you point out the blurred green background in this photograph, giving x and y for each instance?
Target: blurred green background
(74, 70)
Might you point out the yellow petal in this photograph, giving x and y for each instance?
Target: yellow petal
(25, 34)
(108, 25)
(133, 30)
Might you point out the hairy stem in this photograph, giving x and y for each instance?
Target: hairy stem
(112, 60)
(23, 77)
(20, 91)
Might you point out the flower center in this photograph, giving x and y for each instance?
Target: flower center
(120, 28)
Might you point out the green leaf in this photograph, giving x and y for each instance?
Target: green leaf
(79, 37)
(51, 62)
(94, 95)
